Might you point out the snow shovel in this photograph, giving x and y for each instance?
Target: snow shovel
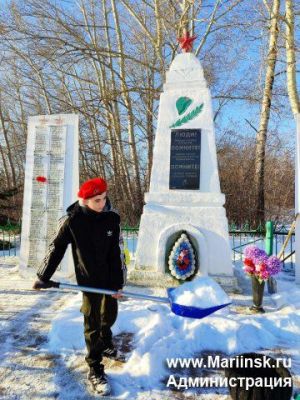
(178, 309)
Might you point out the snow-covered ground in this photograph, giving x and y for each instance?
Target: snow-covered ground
(43, 347)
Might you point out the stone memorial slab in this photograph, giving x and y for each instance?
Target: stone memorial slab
(51, 183)
(185, 159)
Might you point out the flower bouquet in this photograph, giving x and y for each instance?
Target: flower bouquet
(260, 267)
(258, 264)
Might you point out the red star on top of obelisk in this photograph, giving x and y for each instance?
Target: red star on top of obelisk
(186, 42)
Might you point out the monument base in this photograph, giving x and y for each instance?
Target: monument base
(200, 215)
(151, 278)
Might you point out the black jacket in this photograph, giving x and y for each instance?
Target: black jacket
(96, 247)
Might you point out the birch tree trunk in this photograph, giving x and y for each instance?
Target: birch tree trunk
(12, 183)
(115, 115)
(291, 57)
(127, 102)
(261, 136)
(185, 16)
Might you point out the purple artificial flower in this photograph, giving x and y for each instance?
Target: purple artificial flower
(260, 258)
(256, 255)
(252, 252)
(274, 265)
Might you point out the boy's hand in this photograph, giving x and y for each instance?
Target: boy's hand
(38, 284)
(118, 295)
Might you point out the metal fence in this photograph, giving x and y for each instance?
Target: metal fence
(130, 236)
(10, 236)
(243, 236)
(288, 256)
(239, 238)
(10, 239)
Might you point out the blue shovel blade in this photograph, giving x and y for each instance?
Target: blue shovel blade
(190, 311)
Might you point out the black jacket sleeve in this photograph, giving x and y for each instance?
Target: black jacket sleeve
(117, 264)
(56, 250)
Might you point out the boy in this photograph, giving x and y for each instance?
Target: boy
(93, 229)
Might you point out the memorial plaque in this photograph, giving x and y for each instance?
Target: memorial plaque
(52, 153)
(57, 145)
(55, 195)
(39, 196)
(40, 164)
(51, 230)
(38, 226)
(37, 252)
(41, 140)
(56, 171)
(185, 159)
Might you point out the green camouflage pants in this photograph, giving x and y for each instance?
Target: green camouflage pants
(100, 313)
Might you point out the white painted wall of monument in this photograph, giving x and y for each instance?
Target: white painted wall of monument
(52, 152)
(199, 212)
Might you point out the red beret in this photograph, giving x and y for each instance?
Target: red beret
(92, 188)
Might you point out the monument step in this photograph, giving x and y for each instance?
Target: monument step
(155, 279)
(151, 278)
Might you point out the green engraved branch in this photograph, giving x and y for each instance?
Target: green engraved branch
(193, 114)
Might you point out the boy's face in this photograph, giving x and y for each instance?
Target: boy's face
(96, 203)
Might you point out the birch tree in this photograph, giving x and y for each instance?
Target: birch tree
(291, 57)
(265, 112)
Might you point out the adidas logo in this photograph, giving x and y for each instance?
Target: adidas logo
(109, 233)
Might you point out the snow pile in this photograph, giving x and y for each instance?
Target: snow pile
(66, 335)
(159, 335)
(202, 292)
(285, 298)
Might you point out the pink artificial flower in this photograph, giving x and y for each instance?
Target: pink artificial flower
(265, 275)
(263, 267)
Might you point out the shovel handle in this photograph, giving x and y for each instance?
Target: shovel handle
(68, 286)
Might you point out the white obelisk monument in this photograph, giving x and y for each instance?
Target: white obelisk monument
(184, 190)
(51, 184)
